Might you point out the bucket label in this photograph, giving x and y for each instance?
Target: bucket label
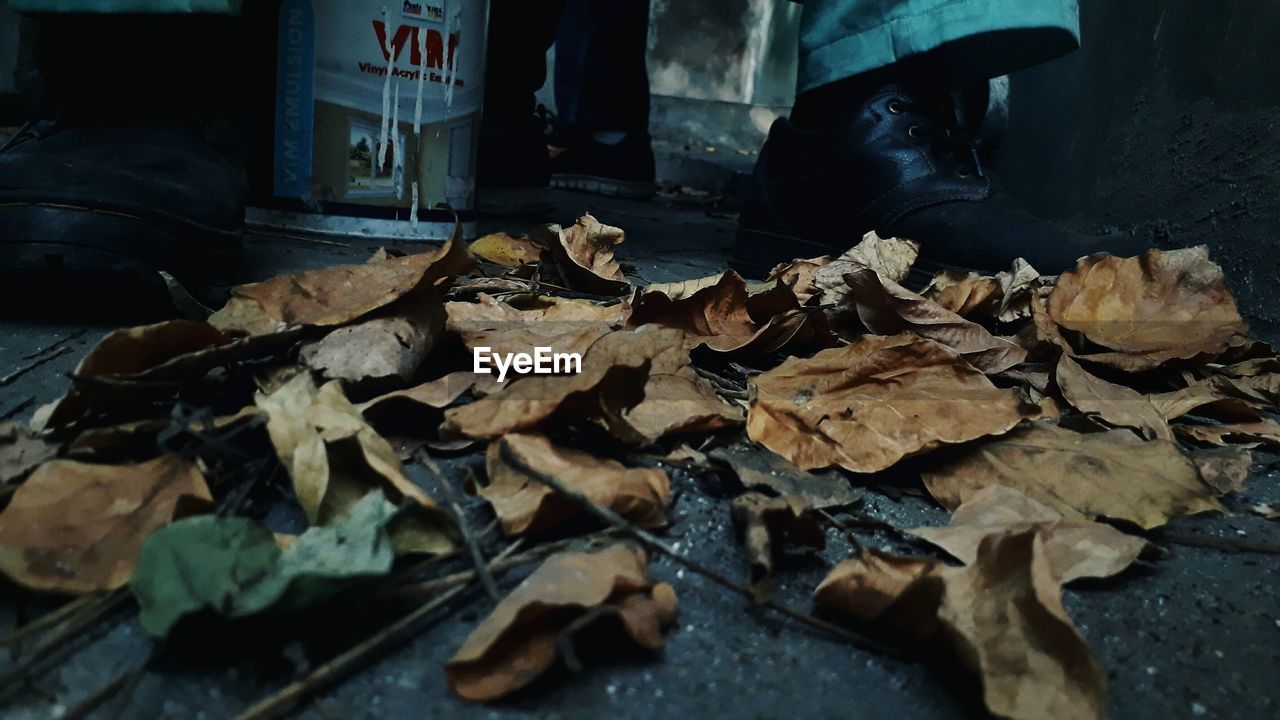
(378, 107)
(433, 11)
(295, 98)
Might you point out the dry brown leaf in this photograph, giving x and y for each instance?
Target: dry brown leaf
(1116, 405)
(1003, 614)
(564, 325)
(1114, 474)
(338, 295)
(518, 641)
(870, 404)
(1006, 296)
(21, 451)
(1148, 309)
(1261, 433)
(768, 524)
(523, 503)
(584, 255)
(1018, 285)
(886, 308)
(757, 469)
(797, 275)
(720, 313)
(134, 367)
(77, 528)
(614, 371)
(1073, 548)
(891, 257)
(1225, 469)
(1212, 397)
(1220, 396)
(416, 412)
(380, 350)
(139, 438)
(507, 250)
(822, 279)
(335, 459)
(964, 293)
(435, 394)
(680, 403)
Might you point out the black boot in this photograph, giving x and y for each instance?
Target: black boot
(513, 169)
(899, 164)
(129, 176)
(623, 169)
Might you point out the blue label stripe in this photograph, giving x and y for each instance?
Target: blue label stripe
(295, 98)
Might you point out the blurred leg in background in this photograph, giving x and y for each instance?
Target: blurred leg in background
(873, 141)
(513, 170)
(601, 142)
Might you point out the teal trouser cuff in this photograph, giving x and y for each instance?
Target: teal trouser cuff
(222, 7)
(843, 38)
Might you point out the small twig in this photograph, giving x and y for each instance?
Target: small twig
(391, 635)
(123, 683)
(13, 411)
(11, 377)
(50, 618)
(468, 539)
(435, 585)
(653, 542)
(67, 631)
(848, 530)
(57, 344)
(539, 284)
(1218, 543)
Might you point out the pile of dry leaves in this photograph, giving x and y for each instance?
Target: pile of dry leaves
(1029, 406)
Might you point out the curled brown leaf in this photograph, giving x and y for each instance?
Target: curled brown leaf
(523, 503)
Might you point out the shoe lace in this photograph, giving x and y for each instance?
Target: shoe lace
(940, 121)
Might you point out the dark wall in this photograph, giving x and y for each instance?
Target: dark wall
(1165, 124)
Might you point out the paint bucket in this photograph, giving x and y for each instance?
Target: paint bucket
(377, 117)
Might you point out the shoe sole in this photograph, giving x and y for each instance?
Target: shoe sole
(60, 261)
(504, 202)
(609, 187)
(757, 252)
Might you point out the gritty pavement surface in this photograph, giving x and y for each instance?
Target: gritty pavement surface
(1195, 633)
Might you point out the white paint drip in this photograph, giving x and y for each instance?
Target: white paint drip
(397, 152)
(413, 209)
(386, 91)
(454, 26)
(422, 81)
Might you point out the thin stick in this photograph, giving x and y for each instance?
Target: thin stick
(123, 683)
(651, 541)
(11, 377)
(48, 619)
(435, 585)
(862, 520)
(68, 631)
(396, 632)
(56, 344)
(13, 411)
(853, 540)
(1218, 543)
(473, 548)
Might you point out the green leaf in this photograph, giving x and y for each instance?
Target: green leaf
(234, 567)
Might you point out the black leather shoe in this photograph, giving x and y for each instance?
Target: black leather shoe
(902, 166)
(512, 168)
(92, 209)
(624, 169)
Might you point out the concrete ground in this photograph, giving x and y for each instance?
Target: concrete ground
(1195, 634)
